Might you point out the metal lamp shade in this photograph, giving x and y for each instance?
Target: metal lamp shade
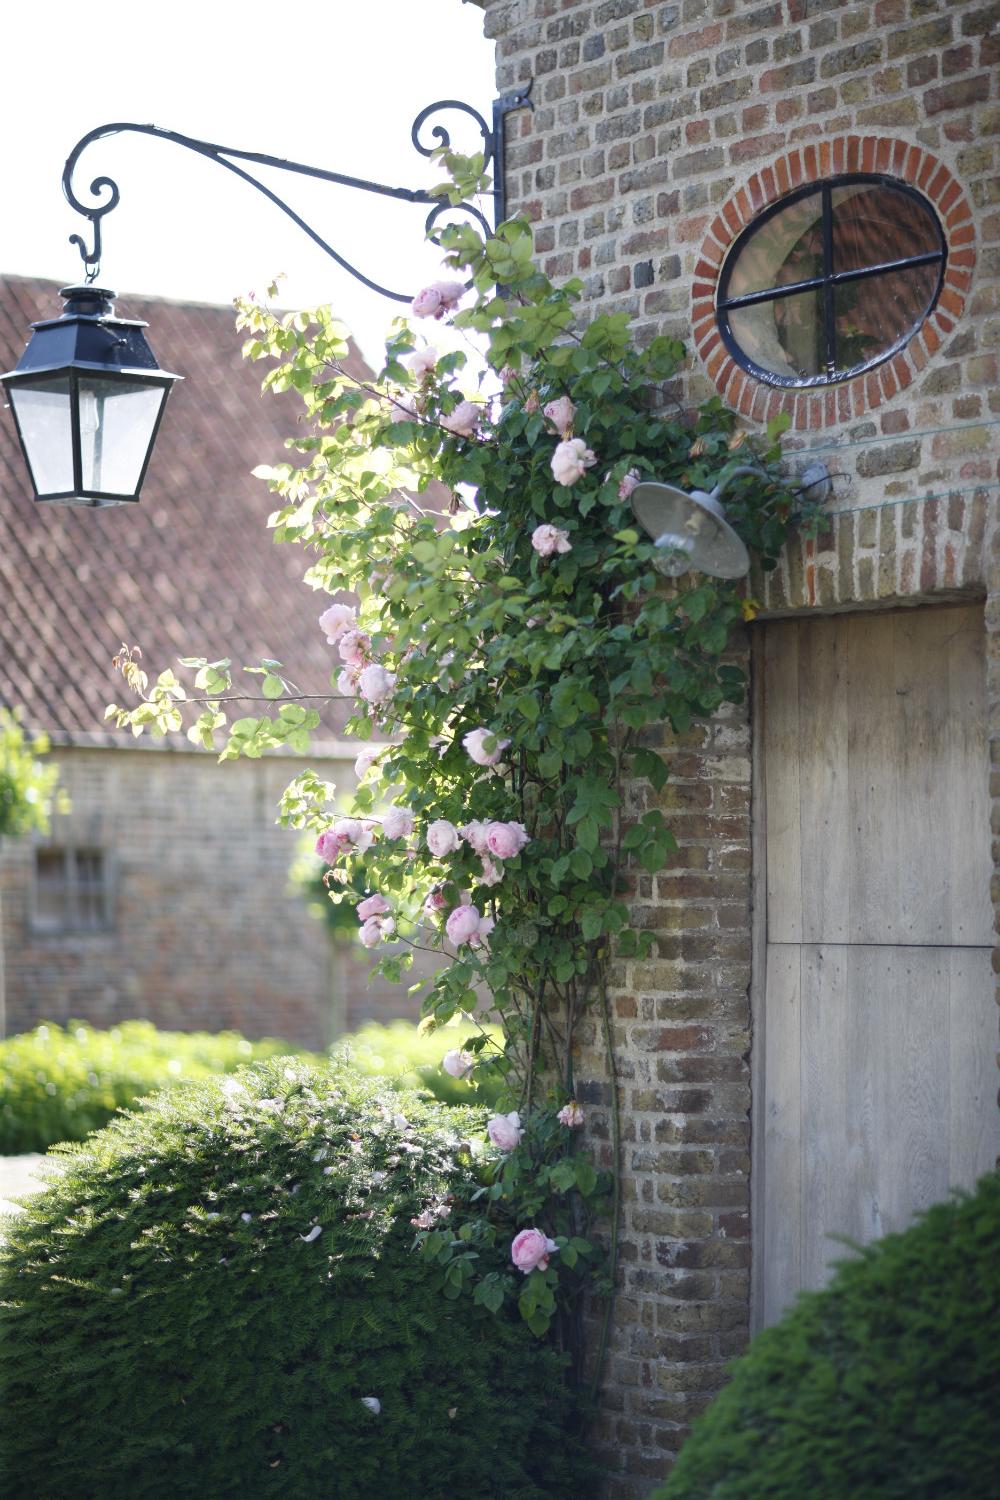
(690, 530)
(87, 397)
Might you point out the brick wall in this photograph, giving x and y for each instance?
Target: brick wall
(660, 130)
(206, 932)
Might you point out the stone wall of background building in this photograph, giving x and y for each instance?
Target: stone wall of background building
(205, 930)
(659, 131)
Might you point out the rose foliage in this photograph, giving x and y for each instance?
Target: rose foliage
(512, 648)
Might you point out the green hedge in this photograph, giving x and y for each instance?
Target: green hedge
(885, 1385)
(58, 1085)
(172, 1324)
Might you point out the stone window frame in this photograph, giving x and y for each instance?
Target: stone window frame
(813, 408)
(70, 924)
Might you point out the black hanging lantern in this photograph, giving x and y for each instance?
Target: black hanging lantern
(87, 397)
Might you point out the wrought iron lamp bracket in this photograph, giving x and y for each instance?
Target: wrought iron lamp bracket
(240, 164)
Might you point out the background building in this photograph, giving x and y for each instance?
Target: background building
(812, 1049)
(165, 892)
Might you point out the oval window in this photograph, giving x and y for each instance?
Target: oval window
(830, 281)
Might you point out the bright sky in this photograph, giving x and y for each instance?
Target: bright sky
(335, 85)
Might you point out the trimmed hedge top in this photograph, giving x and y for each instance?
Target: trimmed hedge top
(886, 1384)
(214, 1296)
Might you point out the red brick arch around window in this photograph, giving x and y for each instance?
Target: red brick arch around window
(826, 406)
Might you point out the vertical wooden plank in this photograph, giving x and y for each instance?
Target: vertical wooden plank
(781, 772)
(974, 1126)
(822, 755)
(872, 783)
(966, 775)
(916, 723)
(778, 1227)
(758, 976)
(824, 1017)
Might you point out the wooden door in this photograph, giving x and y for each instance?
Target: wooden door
(875, 1022)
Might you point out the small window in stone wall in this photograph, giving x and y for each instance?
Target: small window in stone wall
(72, 891)
(831, 280)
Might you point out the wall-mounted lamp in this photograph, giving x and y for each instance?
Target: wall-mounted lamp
(690, 530)
(88, 394)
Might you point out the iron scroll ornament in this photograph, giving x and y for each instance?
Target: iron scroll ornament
(230, 157)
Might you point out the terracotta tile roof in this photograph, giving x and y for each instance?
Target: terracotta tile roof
(191, 569)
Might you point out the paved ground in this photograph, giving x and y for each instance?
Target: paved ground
(18, 1174)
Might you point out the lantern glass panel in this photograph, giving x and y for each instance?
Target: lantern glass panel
(43, 415)
(117, 421)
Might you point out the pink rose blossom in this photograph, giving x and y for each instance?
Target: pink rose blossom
(366, 760)
(422, 361)
(475, 745)
(372, 930)
(451, 294)
(628, 484)
(492, 872)
(397, 823)
(354, 647)
(561, 413)
(437, 299)
(442, 837)
(505, 1131)
(376, 684)
(549, 539)
(531, 404)
(436, 902)
(570, 461)
(347, 682)
(345, 834)
(458, 1063)
(328, 846)
(463, 925)
(507, 374)
(530, 1250)
(571, 1115)
(486, 926)
(335, 620)
(506, 839)
(372, 906)
(474, 834)
(464, 420)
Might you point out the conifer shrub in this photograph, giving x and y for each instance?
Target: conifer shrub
(886, 1384)
(219, 1298)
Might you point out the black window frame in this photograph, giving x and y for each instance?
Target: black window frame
(829, 280)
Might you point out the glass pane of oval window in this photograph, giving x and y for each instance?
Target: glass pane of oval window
(874, 314)
(784, 336)
(874, 224)
(787, 247)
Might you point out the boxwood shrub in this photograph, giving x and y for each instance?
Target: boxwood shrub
(886, 1384)
(218, 1298)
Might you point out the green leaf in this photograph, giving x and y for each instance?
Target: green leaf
(272, 687)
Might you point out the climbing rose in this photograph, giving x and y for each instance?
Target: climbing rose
(435, 902)
(442, 837)
(376, 684)
(335, 620)
(531, 1249)
(475, 744)
(372, 906)
(347, 682)
(437, 299)
(464, 420)
(570, 460)
(474, 834)
(628, 484)
(346, 833)
(328, 846)
(561, 413)
(505, 1131)
(366, 760)
(463, 925)
(506, 839)
(371, 932)
(549, 539)
(492, 872)
(507, 374)
(421, 361)
(397, 823)
(354, 646)
(531, 404)
(570, 1115)
(458, 1063)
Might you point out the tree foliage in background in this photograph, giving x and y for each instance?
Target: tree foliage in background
(27, 782)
